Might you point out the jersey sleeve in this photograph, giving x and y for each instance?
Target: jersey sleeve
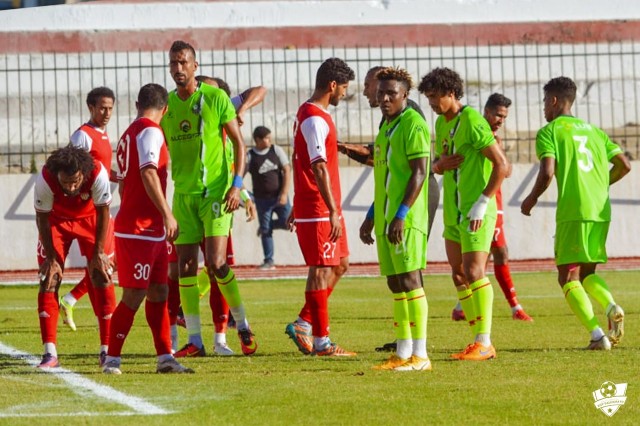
(80, 139)
(481, 134)
(417, 143)
(315, 131)
(43, 195)
(545, 148)
(236, 101)
(225, 109)
(612, 148)
(100, 190)
(282, 156)
(149, 143)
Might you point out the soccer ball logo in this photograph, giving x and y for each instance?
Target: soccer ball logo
(608, 389)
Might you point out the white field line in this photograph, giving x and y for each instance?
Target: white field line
(76, 381)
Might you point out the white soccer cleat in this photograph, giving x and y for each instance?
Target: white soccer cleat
(602, 344)
(112, 367)
(616, 325)
(172, 366)
(222, 349)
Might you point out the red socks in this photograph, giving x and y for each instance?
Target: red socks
(506, 284)
(173, 301)
(305, 313)
(317, 301)
(158, 320)
(219, 308)
(121, 323)
(48, 315)
(82, 287)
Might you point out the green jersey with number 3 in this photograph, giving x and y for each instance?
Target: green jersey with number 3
(582, 153)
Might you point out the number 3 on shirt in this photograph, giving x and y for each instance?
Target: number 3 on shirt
(586, 163)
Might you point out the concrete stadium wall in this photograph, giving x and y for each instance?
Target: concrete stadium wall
(528, 237)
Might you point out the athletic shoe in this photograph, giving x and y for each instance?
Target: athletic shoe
(301, 336)
(267, 266)
(521, 315)
(388, 347)
(332, 350)
(457, 315)
(616, 325)
(172, 366)
(415, 363)
(247, 341)
(49, 361)
(602, 344)
(190, 351)
(458, 355)
(102, 358)
(222, 349)
(112, 367)
(67, 314)
(479, 352)
(392, 363)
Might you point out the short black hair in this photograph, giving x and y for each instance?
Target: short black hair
(375, 70)
(398, 74)
(152, 96)
(561, 87)
(497, 100)
(99, 92)
(333, 69)
(220, 82)
(70, 160)
(442, 81)
(179, 46)
(261, 132)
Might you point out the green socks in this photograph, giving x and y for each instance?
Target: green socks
(580, 304)
(597, 288)
(483, 303)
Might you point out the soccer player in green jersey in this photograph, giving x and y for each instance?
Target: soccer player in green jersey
(399, 216)
(473, 168)
(206, 189)
(578, 154)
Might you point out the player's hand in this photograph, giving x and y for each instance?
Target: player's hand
(527, 205)
(50, 274)
(291, 222)
(336, 226)
(240, 119)
(396, 229)
(282, 200)
(232, 199)
(250, 210)
(477, 212)
(365, 232)
(171, 227)
(100, 269)
(449, 162)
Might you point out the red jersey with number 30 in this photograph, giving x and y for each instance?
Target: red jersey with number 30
(315, 139)
(142, 145)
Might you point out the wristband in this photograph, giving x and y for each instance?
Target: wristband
(244, 195)
(479, 208)
(237, 181)
(402, 211)
(370, 212)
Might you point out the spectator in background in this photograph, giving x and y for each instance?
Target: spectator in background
(271, 176)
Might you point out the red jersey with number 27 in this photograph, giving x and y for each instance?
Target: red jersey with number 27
(142, 145)
(315, 139)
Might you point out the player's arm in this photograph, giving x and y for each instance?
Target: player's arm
(250, 98)
(50, 272)
(232, 197)
(621, 166)
(501, 145)
(419, 173)
(286, 184)
(545, 176)
(363, 154)
(100, 269)
(321, 174)
(495, 154)
(153, 188)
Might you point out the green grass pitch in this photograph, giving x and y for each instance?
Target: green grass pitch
(541, 374)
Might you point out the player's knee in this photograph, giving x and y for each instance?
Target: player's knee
(218, 267)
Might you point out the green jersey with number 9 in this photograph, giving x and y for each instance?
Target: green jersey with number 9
(582, 153)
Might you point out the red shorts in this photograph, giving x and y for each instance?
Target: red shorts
(63, 232)
(316, 247)
(172, 253)
(141, 262)
(499, 239)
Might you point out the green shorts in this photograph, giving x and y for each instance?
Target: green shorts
(581, 242)
(471, 241)
(200, 217)
(409, 256)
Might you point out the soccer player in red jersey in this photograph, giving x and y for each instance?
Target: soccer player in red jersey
(71, 200)
(92, 137)
(143, 225)
(496, 110)
(317, 209)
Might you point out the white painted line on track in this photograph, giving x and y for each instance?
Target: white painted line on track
(76, 381)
